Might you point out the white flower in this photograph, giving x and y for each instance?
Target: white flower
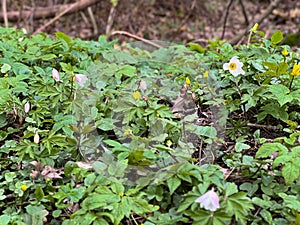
(234, 66)
(81, 79)
(209, 200)
(55, 75)
(27, 107)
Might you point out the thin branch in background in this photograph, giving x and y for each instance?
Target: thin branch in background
(244, 12)
(20, 13)
(273, 5)
(4, 10)
(93, 20)
(110, 19)
(137, 38)
(31, 18)
(70, 8)
(225, 18)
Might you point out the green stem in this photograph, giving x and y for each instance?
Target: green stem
(240, 93)
(290, 87)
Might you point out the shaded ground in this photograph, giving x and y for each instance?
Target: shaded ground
(173, 20)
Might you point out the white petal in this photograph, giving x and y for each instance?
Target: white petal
(226, 66)
(81, 79)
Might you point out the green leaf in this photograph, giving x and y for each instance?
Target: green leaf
(271, 66)
(126, 70)
(239, 206)
(230, 189)
(281, 93)
(63, 36)
(268, 148)
(56, 213)
(173, 183)
(276, 37)
(241, 146)
(39, 193)
(48, 57)
(5, 68)
(9, 177)
(196, 47)
(290, 171)
(4, 219)
(291, 201)
(94, 201)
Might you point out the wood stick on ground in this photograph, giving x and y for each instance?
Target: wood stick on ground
(267, 12)
(71, 7)
(47, 12)
(137, 38)
(4, 11)
(93, 20)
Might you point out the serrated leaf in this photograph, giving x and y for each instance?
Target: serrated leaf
(268, 148)
(173, 183)
(94, 201)
(281, 93)
(290, 172)
(291, 201)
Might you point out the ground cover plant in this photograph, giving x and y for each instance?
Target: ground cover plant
(97, 133)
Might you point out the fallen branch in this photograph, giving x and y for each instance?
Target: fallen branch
(71, 8)
(47, 12)
(137, 38)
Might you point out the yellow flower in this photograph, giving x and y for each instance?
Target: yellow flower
(169, 143)
(296, 69)
(121, 194)
(24, 187)
(6, 75)
(284, 52)
(254, 28)
(136, 95)
(187, 81)
(128, 132)
(205, 75)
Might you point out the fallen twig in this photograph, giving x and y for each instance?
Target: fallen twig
(47, 12)
(71, 8)
(4, 10)
(137, 38)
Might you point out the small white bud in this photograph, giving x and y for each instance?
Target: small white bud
(36, 138)
(27, 107)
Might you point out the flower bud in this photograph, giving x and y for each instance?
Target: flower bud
(36, 138)
(254, 28)
(55, 75)
(27, 107)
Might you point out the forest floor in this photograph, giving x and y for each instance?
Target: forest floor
(172, 21)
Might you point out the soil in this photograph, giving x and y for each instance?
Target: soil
(172, 20)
